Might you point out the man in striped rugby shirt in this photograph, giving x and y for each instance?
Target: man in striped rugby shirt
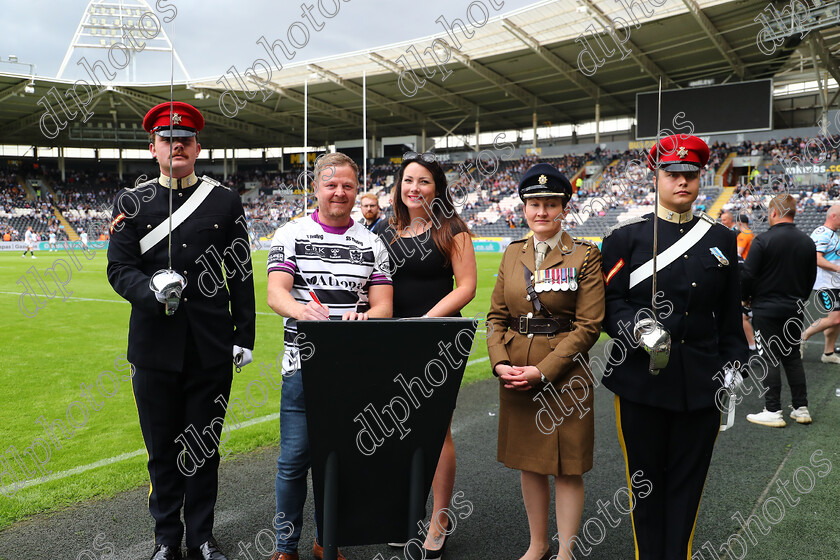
(346, 268)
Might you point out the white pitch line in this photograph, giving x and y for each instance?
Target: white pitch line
(129, 455)
(760, 499)
(75, 298)
(111, 301)
(77, 470)
(132, 454)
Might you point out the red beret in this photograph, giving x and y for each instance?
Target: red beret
(679, 152)
(186, 119)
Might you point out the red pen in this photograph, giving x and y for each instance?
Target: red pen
(316, 300)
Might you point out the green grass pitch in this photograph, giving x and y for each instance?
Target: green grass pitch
(46, 358)
(68, 343)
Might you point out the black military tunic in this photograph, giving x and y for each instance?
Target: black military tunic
(184, 361)
(217, 316)
(668, 423)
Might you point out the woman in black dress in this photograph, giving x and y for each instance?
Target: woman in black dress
(429, 245)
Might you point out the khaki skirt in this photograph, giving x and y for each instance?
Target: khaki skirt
(538, 434)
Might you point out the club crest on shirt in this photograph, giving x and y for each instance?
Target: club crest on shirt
(355, 256)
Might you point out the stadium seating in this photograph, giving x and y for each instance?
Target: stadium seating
(492, 207)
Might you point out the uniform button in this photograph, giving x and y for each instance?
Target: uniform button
(681, 341)
(148, 226)
(685, 256)
(527, 298)
(694, 284)
(184, 245)
(681, 230)
(216, 226)
(186, 272)
(185, 300)
(529, 315)
(180, 194)
(686, 313)
(530, 335)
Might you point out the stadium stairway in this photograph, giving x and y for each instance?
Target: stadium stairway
(27, 188)
(46, 184)
(600, 177)
(580, 171)
(717, 206)
(68, 229)
(722, 169)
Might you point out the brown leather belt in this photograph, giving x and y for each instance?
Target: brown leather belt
(539, 325)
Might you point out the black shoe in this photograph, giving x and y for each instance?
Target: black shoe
(166, 552)
(207, 551)
(432, 554)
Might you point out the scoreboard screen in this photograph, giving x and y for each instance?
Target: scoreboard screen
(739, 107)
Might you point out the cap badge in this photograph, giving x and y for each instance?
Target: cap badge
(176, 119)
(543, 179)
(682, 152)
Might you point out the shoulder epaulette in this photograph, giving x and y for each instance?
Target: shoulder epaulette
(143, 184)
(705, 217)
(620, 225)
(583, 241)
(213, 182)
(523, 240)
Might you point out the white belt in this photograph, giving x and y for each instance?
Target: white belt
(671, 254)
(156, 235)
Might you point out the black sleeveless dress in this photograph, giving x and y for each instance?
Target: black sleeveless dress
(421, 276)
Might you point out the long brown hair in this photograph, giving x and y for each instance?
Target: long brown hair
(447, 221)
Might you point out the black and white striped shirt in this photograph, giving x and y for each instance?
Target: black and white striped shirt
(339, 264)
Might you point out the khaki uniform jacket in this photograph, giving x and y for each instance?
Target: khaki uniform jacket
(523, 441)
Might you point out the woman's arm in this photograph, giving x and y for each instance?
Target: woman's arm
(466, 278)
(497, 323)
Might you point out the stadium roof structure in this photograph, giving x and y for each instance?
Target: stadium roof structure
(516, 69)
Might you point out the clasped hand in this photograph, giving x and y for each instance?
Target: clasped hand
(520, 378)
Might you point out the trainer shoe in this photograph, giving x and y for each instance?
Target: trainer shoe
(830, 358)
(767, 418)
(801, 415)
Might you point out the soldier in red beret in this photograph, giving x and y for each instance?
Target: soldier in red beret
(192, 311)
(667, 402)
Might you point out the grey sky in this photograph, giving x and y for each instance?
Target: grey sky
(211, 35)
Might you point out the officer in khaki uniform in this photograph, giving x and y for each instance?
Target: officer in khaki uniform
(545, 316)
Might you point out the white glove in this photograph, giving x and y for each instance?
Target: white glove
(732, 380)
(242, 356)
(167, 286)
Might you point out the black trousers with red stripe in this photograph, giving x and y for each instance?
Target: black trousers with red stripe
(673, 450)
(181, 418)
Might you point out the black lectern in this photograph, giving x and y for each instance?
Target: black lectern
(379, 397)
